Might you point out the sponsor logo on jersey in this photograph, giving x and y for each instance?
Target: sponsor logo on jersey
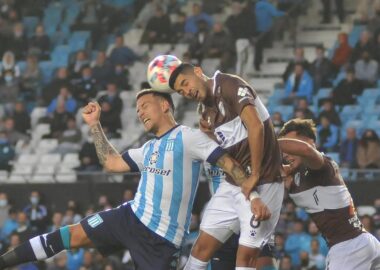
(215, 172)
(158, 171)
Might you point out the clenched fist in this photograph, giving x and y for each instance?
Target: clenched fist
(91, 113)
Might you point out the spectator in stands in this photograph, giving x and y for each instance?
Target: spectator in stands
(121, 54)
(85, 87)
(146, 13)
(265, 13)
(120, 77)
(296, 241)
(102, 70)
(328, 110)
(348, 149)
(376, 216)
(321, 69)
(328, 135)
(286, 263)
(18, 42)
(315, 235)
(110, 120)
(88, 260)
(21, 118)
(374, 22)
(303, 105)
(56, 221)
(192, 26)
(31, 79)
(9, 91)
(54, 87)
(367, 69)
(368, 153)
(158, 29)
(277, 121)
(364, 44)
(58, 120)
(81, 61)
(128, 195)
(74, 258)
(365, 10)
(4, 208)
(197, 42)
(60, 262)
(178, 28)
(39, 44)
(66, 98)
(299, 84)
(279, 241)
(342, 54)
(367, 222)
(348, 89)
(241, 25)
(317, 260)
(9, 64)
(7, 152)
(112, 96)
(14, 135)
(37, 212)
(89, 161)
(299, 114)
(24, 228)
(104, 203)
(70, 139)
(218, 44)
(10, 224)
(299, 57)
(327, 10)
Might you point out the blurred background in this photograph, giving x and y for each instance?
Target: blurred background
(315, 59)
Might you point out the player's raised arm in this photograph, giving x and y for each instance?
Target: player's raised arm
(108, 156)
(310, 156)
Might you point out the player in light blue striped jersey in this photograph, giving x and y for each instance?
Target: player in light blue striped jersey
(153, 225)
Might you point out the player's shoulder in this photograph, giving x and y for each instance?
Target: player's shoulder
(189, 131)
(229, 83)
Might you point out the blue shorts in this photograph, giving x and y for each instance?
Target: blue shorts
(119, 228)
(225, 257)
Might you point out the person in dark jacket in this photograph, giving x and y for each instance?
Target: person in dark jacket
(348, 149)
(321, 69)
(348, 89)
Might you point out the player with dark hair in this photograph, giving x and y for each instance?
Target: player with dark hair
(315, 183)
(234, 115)
(153, 225)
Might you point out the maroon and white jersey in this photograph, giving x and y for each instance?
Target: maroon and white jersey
(230, 95)
(324, 195)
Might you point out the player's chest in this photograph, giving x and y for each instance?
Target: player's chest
(303, 180)
(218, 114)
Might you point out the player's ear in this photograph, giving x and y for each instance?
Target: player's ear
(198, 71)
(165, 106)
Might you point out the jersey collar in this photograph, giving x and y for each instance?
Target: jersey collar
(167, 132)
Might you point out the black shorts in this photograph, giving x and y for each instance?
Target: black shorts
(119, 228)
(225, 257)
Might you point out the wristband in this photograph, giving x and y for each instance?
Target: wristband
(253, 195)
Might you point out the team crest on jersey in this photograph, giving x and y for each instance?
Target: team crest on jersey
(154, 158)
(221, 108)
(297, 179)
(243, 91)
(169, 145)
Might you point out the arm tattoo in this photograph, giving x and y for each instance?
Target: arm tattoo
(233, 168)
(102, 145)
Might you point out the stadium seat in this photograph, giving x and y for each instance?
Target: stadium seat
(3, 176)
(30, 23)
(28, 159)
(41, 179)
(45, 169)
(334, 156)
(368, 97)
(350, 112)
(285, 110)
(46, 145)
(47, 70)
(60, 56)
(50, 159)
(66, 178)
(16, 179)
(70, 160)
(23, 169)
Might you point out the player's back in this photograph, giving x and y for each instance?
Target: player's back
(326, 198)
(170, 168)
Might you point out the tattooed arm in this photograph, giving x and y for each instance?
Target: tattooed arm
(108, 156)
(232, 168)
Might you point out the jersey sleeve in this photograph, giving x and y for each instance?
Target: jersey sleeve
(134, 158)
(238, 93)
(201, 147)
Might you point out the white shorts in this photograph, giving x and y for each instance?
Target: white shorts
(229, 212)
(360, 253)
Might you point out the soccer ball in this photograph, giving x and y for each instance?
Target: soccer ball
(159, 71)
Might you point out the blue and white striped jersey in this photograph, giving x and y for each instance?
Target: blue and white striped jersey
(170, 167)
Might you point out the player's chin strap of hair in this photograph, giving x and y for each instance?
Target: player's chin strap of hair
(254, 195)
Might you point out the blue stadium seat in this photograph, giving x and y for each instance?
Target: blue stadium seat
(22, 66)
(60, 56)
(368, 97)
(354, 36)
(30, 24)
(341, 75)
(350, 112)
(357, 124)
(286, 111)
(47, 70)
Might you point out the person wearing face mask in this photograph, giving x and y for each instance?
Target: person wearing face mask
(368, 153)
(36, 212)
(4, 208)
(367, 69)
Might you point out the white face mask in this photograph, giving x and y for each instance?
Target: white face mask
(3, 203)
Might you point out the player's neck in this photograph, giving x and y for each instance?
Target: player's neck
(164, 127)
